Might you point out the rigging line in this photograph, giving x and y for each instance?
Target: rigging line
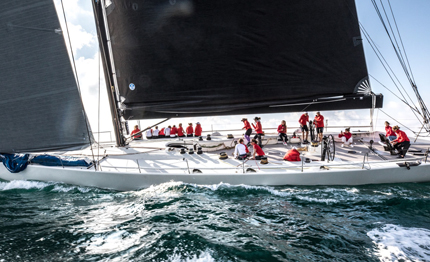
(413, 109)
(401, 41)
(98, 113)
(77, 83)
(397, 121)
(394, 37)
(392, 43)
(385, 65)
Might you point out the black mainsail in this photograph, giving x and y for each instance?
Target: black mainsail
(40, 106)
(182, 58)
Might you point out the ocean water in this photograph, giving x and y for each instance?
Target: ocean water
(184, 222)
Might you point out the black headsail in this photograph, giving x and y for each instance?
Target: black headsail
(182, 58)
(40, 107)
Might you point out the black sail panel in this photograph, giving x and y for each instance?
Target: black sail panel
(40, 105)
(178, 58)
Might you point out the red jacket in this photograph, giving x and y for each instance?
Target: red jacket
(303, 119)
(198, 131)
(190, 130)
(258, 150)
(134, 132)
(247, 125)
(389, 131)
(319, 121)
(346, 135)
(174, 130)
(258, 128)
(180, 131)
(282, 129)
(401, 137)
(161, 133)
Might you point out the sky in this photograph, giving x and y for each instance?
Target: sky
(413, 20)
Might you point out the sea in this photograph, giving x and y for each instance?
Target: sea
(186, 222)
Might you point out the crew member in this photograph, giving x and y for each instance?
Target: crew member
(259, 129)
(173, 131)
(190, 130)
(155, 132)
(389, 133)
(149, 133)
(167, 131)
(256, 150)
(198, 130)
(346, 138)
(161, 133)
(240, 151)
(401, 143)
(319, 124)
(248, 129)
(180, 130)
(135, 130)
(303, 125)
(282, 132)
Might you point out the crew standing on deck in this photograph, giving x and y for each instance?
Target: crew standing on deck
(258, 129)
(282, 132)
(401, 143)
(248, 131)
(198, 130)
(303, 125)
(190, 130)
(319, 124)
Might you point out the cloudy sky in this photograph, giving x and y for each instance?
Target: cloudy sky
(412, 18)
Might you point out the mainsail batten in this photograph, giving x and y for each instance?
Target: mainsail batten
(174, 57)
(39, 91)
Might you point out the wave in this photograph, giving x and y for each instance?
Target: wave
(48, 186)
(397, 243)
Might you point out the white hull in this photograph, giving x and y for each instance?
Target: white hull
(123, 181)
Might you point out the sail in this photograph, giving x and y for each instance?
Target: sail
(182, 58)
(40, 107)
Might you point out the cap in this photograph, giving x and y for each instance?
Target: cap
(198, 123)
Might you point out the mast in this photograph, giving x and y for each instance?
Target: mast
(108, 72)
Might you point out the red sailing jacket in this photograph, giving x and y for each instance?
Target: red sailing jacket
(303, 119)
(346, 135)
(258, 128)
(180, 131)
(247, 125)
(401, 137)
(198, 131)
(190, 130)
(282, 129)
(319, 121)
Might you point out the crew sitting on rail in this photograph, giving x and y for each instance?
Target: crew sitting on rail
(180, 130)
(319, 124)
(155, 132)
(198, 130)
(241, 150)
(149, 133)
(190, 130)
(173, 131)
(161, 133)
(401, 143)
(282, 132)
(135, 130)
(390, 134)
(258, 129)
(167, 131)
(303, 125)
(346, 138)
(256, 150)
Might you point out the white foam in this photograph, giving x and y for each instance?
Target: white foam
(22, 184)
(395, 243)
(271, 190)
(203, 257)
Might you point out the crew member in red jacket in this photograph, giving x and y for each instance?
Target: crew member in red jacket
(173, 131)
(180, 130)
(257, 150)
(389, 133)
(190, 130)
(319, 124)
(303, 125)
(248, 129)
(161, 133)
(346, 138)
(135, 130)
(282, 132)
(198, 130)
(401, 143)
(258, 129)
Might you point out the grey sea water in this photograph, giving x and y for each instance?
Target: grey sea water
(184, 222)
